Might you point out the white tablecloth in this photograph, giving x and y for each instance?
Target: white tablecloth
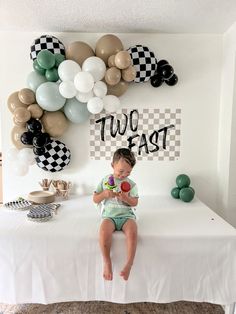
(185, 252)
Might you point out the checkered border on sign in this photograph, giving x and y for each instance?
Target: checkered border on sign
(149, 120)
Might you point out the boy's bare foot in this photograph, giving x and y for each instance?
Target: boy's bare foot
(107, 270)
(125, 271)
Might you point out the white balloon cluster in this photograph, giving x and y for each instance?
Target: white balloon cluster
(86, 85)
(20, 160)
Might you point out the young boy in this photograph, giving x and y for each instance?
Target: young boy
(117, 212)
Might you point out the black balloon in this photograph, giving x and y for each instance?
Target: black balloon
(161, 63)
(27, 138)
(39, 150)
(33, 126)
(172, 81)
(157, 80)
(41, 139)
(166, 71)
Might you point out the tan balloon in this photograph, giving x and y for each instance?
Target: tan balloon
(122, 60)
(111, 61)
(16, 133)
(35, 110)
(107, 46)
(112, 76)
(54, 123)
(79, 51)
(26, 96)
(21, 114)
(14, 102)
(22, 124)
(118, 89)
(129, 74)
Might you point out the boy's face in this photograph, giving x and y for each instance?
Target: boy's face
(121, 169)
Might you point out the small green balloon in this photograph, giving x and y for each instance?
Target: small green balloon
(59, 58)
(182, 181)
(52, 75)
(175, 192)
(38, 68)
(186, 194)
(46, 59)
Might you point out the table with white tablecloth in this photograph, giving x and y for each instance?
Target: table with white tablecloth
(185, 251)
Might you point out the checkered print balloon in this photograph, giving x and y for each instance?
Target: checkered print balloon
(55, 158)
(144, 62)
(48, 42)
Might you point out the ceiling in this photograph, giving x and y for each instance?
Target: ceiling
(118, 16)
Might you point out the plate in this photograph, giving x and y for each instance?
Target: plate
(41, 197)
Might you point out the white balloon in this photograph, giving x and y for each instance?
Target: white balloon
(67, 89)
(95, 105)
(84, 97)
(100, 89)
(96, 67)
(20, 168)
(84, 82)
(111, 103)
(68, 69)
(26, 156)
(12, 154)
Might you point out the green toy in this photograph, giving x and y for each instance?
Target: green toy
(182, 181)
(186, 194)
(175, 192)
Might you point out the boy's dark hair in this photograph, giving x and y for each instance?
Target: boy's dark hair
(126, 154)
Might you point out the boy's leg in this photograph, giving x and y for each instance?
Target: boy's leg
(105, 236)
(130, 231)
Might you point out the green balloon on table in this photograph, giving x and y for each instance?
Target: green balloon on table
(38, 68)
(175, 192)
(182, 181)
(186, 194)
(52, 75)
(46, 59)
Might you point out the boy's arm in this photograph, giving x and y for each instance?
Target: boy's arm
(124, 197)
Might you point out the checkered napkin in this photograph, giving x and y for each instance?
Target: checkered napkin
(40, 211)
(18, 205)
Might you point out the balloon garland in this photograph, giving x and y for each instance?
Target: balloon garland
(68, 85)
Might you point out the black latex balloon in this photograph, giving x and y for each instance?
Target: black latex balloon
(33, 125)
(161, 63)
(38, 151)
(172, 81)
(157, 80)
(41, 139)
(27, 138)
(166, 71)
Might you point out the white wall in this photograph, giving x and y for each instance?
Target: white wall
(227, 129)
(196, 60)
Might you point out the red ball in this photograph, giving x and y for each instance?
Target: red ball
(125, 186)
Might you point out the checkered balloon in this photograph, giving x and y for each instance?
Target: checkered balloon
(48, 42)
(144, 62)
(55, 158)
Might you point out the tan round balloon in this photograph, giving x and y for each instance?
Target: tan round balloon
(107, 46)
(112, 76)
(26, 96)
(111, 61)
(22, 124)
(118, 89)
(35, 110)
(122, 60)
(129, 74)
(54, 123)
(16, 133)
(79, 51)
(14, 102)
(21, 115)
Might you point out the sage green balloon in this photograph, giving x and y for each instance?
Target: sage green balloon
(48, 97)
(52, 75)
(59, 58)
(182, 181)
(76, 111)
(186, 194)
(38, 68)
(34, 80)
(175, 192)
(46, 59)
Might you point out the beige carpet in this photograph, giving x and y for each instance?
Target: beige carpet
(97, 307)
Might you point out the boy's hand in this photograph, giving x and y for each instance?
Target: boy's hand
(122, 196)
(109, 194)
